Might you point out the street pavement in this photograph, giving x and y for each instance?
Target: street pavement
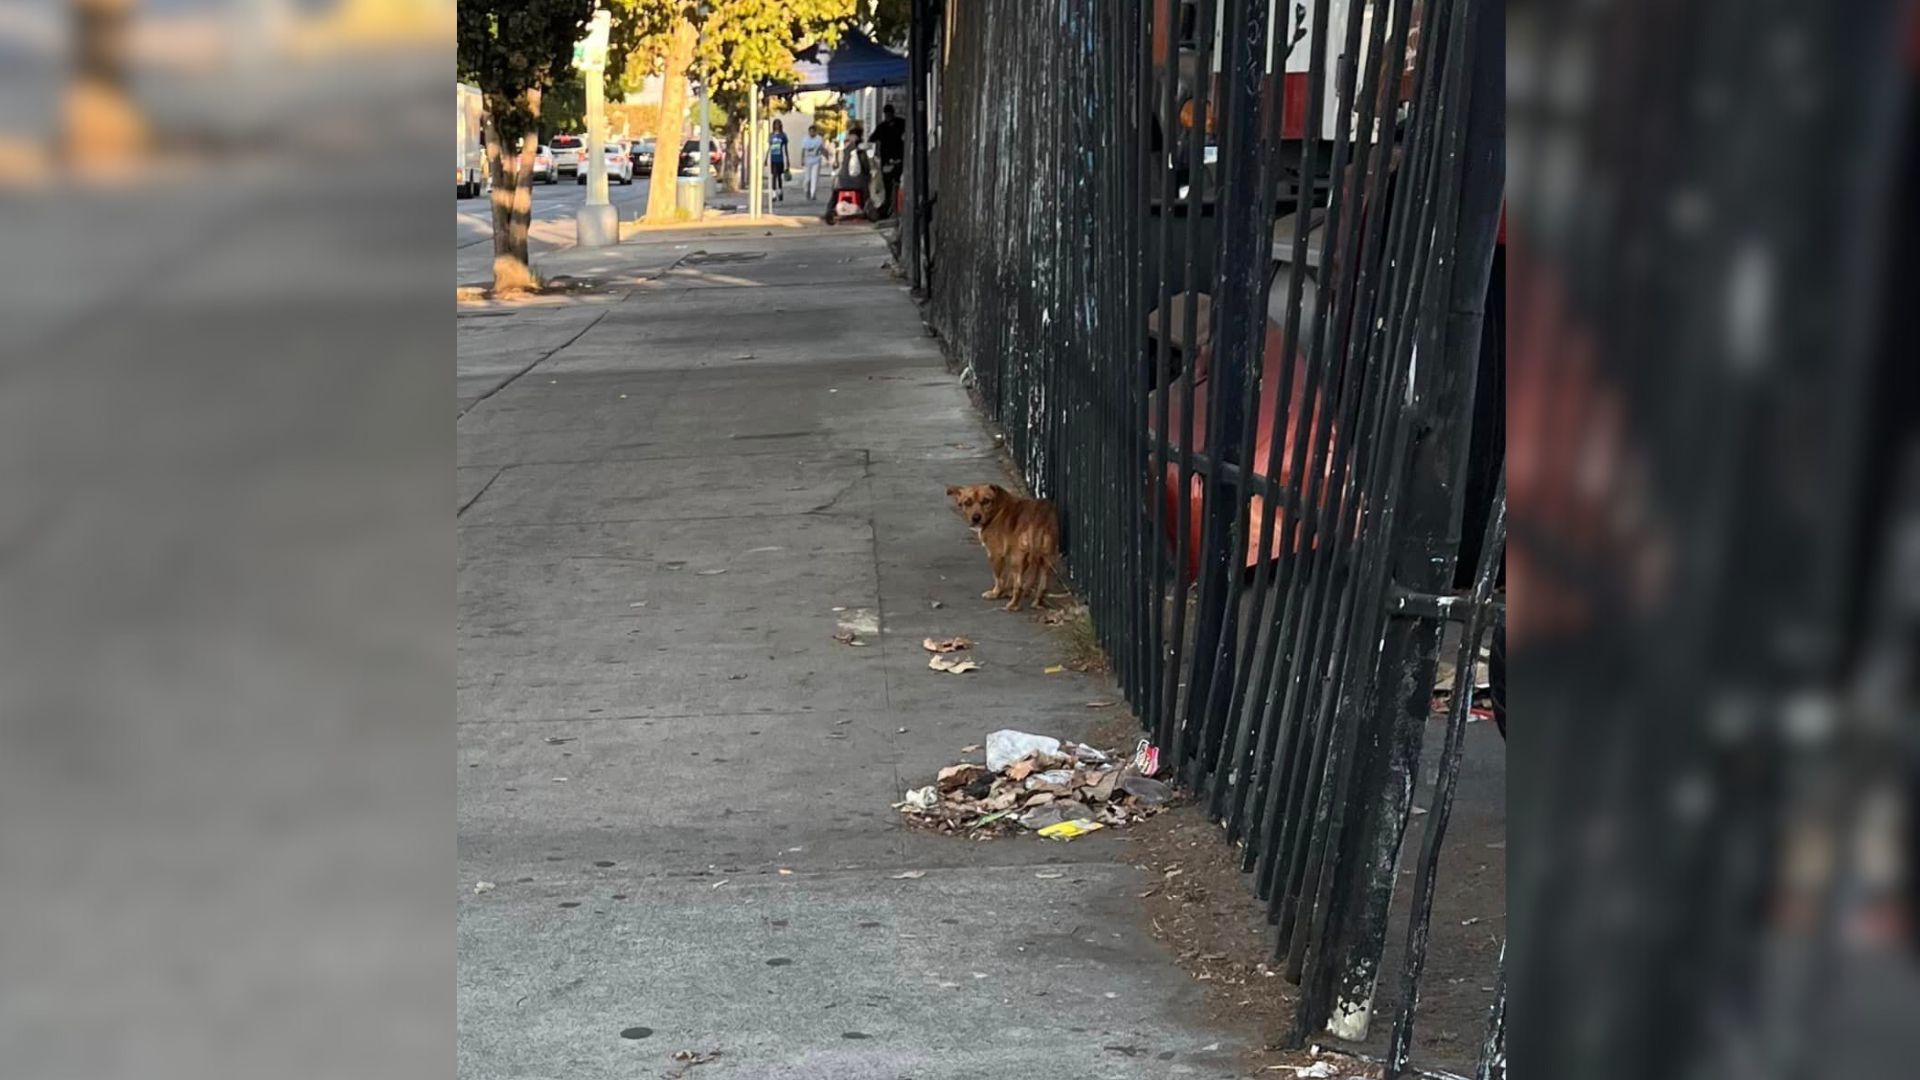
(675, 783)
(554, 207)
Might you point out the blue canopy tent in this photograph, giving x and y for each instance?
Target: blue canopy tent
(855, 63)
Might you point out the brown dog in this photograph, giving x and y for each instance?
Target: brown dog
(1022, 538)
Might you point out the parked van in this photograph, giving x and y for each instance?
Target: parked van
(470, 163)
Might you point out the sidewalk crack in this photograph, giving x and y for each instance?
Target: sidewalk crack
(537, 361)
(841, 494)
(484, 488)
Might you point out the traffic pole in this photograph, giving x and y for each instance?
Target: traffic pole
(597, 224)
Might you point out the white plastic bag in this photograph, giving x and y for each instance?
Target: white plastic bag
(1006, 746)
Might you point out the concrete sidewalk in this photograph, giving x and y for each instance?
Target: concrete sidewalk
(675, 778)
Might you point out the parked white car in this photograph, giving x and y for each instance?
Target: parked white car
(569, 154)
(619, 165)
(544, 170)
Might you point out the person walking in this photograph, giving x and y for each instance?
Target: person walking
(813, 152)
(890, 139)
(777, 161)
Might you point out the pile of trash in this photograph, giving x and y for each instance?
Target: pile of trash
(1039, 784)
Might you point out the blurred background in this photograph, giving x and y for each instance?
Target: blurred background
(226, 560)
(1715, 545)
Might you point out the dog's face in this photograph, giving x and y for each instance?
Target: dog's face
(975, 502)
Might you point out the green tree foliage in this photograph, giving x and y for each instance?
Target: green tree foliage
(888, 21)
(516, 50)
(743, 42)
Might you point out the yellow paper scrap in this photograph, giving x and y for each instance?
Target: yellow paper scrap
(1067, 830)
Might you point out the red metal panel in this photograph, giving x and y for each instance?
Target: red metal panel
(1263, 441)
(1293, 115)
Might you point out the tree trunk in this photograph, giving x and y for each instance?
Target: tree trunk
(103, 128)
(734, 166)
(661, 201)
(512, 203)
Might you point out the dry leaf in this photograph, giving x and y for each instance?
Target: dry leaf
(970, 748)
(957, 776)
(1055, 669)
(1020, 769)
(1100, 704)
(953, 667)
(1102, 789)
(945, 645)
(910, 875)
(784, 872)
(710, 573)
(844, 637)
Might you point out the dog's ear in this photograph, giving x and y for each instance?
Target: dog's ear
(1000, 492)
(952, 492)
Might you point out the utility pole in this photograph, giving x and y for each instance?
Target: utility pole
(597, 224)
(708, 174)
(706, 134)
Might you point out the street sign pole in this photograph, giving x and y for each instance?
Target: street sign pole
(597, 224)
(754, 153)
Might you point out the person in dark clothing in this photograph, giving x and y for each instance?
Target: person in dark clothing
(890, 141)
(852, 177)
(777, 161)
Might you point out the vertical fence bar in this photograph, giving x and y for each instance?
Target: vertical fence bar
(1160, 706)
(1362, 528)
(1446, 333)
(1413, 965)
(1201, 112)
(1493, 1047)
(1137, 364)
(1338, 988)
(1297, 805)
(1245, 706)
(1300, 563)
(1246, 258)
(1227, 373)
(913, 241)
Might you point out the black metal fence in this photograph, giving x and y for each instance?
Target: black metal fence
(1218, 270)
